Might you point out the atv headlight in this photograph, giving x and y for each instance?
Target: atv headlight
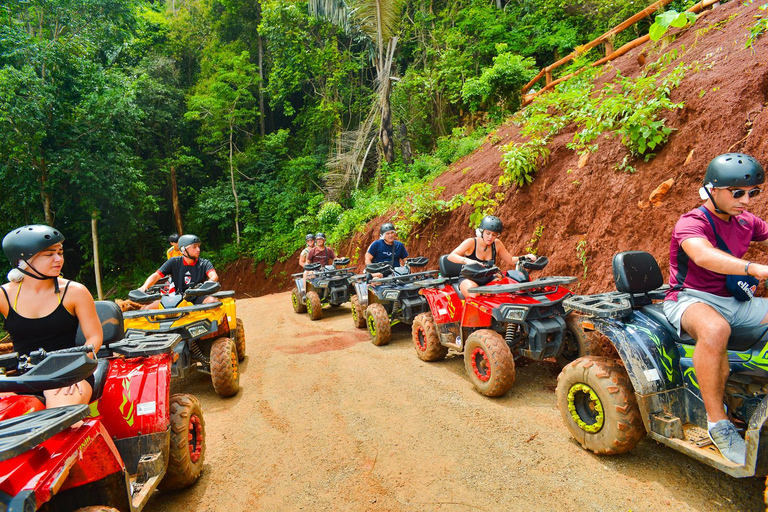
(513, 314)
(197, 330)
(391, 294)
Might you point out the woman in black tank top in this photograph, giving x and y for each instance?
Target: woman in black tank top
(43, 310)
(484, 248)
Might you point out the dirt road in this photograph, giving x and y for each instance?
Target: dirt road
(325, 420)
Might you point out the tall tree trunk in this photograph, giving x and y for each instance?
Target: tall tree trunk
(405, 144)
(385, 89)
(96, 264)
(262, 120)
(175, 202)
(45, 196)
(232, 179)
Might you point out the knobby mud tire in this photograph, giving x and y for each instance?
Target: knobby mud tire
(240, 340)
(225, 373)
(489, 363)
(598, 405)
(575, 340)
(296, 302)
(426, 340)
(314, 306)
(358, 315)
(187, 449)
(97, 508)
(377, 319)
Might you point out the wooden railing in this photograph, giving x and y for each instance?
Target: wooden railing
(610, 53)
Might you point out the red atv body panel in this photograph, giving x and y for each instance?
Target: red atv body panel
(13, 406)
(71, 458)
(135, 397)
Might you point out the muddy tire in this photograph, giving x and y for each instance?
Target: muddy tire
(358, 315)
(240, 340)
(297, 303)
(489, 363)
(224, 371)
(187, 449)
(97, 508)
(575, 340)
(314, 306)
(598, 405)
(426, 340)
(377, 319)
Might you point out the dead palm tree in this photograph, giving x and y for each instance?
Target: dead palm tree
(377, 20)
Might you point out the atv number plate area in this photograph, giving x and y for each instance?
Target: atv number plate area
(519, 287)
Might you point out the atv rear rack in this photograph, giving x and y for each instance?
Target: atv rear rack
(143, 346)
(168, 314)
(519, 287)
(405, 277)
(602, 305)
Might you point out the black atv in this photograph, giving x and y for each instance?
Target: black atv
(639, 376)
(383, 302)
(327, 284)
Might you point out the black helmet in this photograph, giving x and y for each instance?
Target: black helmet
(491, 223)
(320, 235)
(185, 240)
(24, 242)
(309, 237)
(173, 238)
(734, 170)
(387, 226)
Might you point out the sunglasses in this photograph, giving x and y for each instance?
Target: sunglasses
(739, 193)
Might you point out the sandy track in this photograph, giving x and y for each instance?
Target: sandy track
(325, 420)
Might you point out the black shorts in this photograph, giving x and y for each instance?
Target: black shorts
(480, 282)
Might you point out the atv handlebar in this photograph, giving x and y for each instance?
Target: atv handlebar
(538, 264)
(404, 278)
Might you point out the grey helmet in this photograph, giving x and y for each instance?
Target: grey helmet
(309, 237)
(733, 170)
(320, 235)
(24, 242)
(386, 227)
(186, 240)
(173, 238)
(491, 223)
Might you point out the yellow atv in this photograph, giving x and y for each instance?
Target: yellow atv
(213, 338)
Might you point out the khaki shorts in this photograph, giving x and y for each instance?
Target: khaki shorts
(740, 315)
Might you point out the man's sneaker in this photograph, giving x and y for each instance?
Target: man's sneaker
(728, 441)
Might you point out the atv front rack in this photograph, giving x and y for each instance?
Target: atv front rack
(404, 278)
(168, 314)
(22, 433)
(143, 346)
(519, 287)
(602, 305)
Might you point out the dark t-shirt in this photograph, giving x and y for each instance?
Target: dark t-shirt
(324, 256)
(185, 276)
(382, 252)
(737, 235)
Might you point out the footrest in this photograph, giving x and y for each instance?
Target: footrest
(604, 305)
(697, 436)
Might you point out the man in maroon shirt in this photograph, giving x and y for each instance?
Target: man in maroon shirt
(699, 303)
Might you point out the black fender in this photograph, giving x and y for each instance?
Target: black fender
(648, 351)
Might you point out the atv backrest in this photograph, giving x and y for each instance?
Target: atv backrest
(448, 268)
(111, 318)
(636, 272)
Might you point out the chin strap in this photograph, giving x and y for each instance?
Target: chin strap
(41, 277)
(717, 210)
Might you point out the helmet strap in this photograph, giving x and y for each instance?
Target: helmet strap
(185, 253)
(41, 277)
(717, 210)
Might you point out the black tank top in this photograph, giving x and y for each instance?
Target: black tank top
(475, 257)
(53, 332)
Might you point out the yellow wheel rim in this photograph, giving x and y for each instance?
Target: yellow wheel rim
(586, 408)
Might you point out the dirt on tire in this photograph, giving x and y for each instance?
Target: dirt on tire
(314, 306)
(598, 405)
(426, 340)
(225, 373)
(187, 448)
(327, 421)
(489, 363)
(358, 315)
(379, 328)
(240, 340)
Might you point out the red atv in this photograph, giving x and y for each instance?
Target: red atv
(133, 438)
(512, 317)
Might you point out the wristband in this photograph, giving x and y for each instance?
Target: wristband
(746, 268)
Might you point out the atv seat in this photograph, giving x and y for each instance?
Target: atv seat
(637, 273)
(452, 271)
(111, 318)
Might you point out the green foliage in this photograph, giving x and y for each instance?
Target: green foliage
(758, 28)
(532, 247)
(521, 161)
(329, 214)
(581, 255)
(670, 18)
(478, 196)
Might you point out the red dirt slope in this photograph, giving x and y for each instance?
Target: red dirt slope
(724, 94)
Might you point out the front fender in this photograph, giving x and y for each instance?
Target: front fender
(647, 350)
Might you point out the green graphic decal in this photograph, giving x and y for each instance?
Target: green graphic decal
(690, 375)
(666, 359)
